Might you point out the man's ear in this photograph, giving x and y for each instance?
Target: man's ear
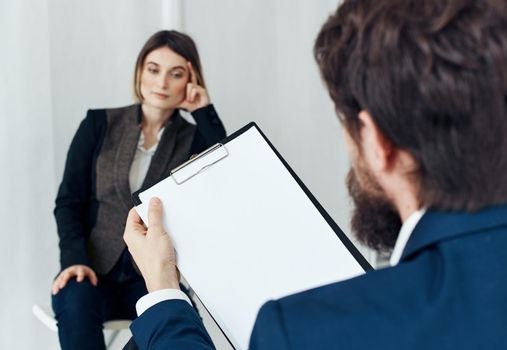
(377, 150)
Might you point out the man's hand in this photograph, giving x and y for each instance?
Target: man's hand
(79, 271)
(152, 248)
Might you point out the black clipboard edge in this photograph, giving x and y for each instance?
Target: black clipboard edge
(213, 318)
(135, 198)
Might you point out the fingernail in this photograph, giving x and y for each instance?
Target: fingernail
(155, 201)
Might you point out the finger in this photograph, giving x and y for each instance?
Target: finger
(64, 276)
(155, 216)
(57, 282)
(54, 288)
(193, 94)
(133, 218)
(93, 277)
(188, 92)
(134, 221)
(80, 275)
(193, 76)
(64, 279)
(134, 227)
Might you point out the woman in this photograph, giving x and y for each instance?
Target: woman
(116, 152)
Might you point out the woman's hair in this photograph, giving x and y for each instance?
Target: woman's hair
(433, 76)
(178, 42)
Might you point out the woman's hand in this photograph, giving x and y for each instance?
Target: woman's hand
(196, 96)
(79, 271)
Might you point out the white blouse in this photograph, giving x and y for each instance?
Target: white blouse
(141, 162)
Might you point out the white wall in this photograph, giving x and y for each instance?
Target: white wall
(27, 172)
(61, 57)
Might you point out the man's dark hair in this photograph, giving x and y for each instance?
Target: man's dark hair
(433, 76)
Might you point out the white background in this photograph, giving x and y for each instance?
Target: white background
(61, 57)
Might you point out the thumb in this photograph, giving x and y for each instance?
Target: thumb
(155, 216)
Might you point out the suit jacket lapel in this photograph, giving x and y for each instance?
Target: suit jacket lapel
(125, 154)
(164, 153)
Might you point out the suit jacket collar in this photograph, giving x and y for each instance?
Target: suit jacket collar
(436, 226)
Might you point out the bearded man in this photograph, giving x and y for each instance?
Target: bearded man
(420, 87)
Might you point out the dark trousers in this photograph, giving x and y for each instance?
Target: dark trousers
(81, 308)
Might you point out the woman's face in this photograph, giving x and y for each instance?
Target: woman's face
(164, 77)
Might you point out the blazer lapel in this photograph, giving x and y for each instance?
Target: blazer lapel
(125, 154)
(164, 153)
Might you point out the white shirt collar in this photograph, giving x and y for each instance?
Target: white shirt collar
(406, 231)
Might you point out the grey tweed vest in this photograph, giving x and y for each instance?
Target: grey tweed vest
(105, 243)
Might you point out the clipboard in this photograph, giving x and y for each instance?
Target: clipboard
(246, 230)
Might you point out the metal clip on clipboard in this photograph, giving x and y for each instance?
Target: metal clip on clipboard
(199, 163)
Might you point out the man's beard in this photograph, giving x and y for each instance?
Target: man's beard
(375, 222)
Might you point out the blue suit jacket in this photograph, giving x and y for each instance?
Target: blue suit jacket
(448, 292)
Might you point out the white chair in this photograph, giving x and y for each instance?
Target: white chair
(45, 314)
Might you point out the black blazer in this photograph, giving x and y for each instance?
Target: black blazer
(76, 203)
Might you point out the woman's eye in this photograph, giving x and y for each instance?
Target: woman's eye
(177, 75)
(153, 70)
